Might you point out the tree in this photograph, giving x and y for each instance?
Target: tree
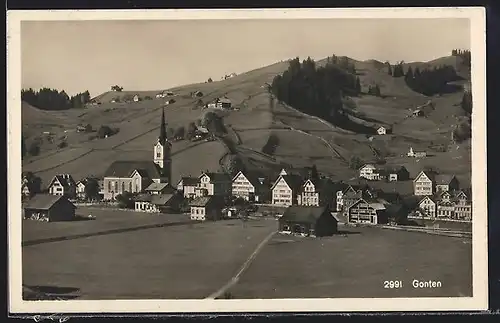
(125, 200)
(62, 144)
(355, 163)
(104, 131)
(170, 133)
(23, 147)
(398, 70)
(389, 68)
(34, 149)
(180, 132)
(358, 85)
(466, 102)
(314, 173)
(147, 97)
(34, 182)
(116, 88)
(409, 75)
(92, 189)
(232, 164)
(191, 130)
(210, 80)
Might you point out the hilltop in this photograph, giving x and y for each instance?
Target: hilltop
(302, 139)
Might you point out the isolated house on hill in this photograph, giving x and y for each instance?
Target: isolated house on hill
(136, 98)
(308, 221)
(45, 207)
(416, 154)
(63, 184)
(381, 130)
(135, 176)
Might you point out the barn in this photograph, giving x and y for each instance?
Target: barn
(308, 221)
(50, 208)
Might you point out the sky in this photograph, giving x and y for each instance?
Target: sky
(153, 55)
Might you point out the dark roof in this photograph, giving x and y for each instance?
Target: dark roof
(443, 179)
(123, 168)
(65, 180)
(43, 201)
(161, 199)
(205, 200)
(254, 177)
(308, 214)
(431, 174)
(157, 186)
(143, 197)
(217, 177)
(189, 181)
(293, 180)
(394, 209)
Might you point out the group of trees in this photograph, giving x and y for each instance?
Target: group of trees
(33, 182)
(52, 99)
(374, 90)
(271, 144)
(464, 54)
(106, 131)
(431, 81)
(317, 90)
(116, 88)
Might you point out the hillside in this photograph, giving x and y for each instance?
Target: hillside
(303, 139)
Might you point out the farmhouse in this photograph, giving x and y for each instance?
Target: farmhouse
(214, 184)
(427, 207)
(206, 208)
(63, 184)
(344, 188)
(463, 205)
(157, 203)
(382, 130)
(369, 171)
(188, 185)
(136, 98)
(446, 183)
(251, 186)
(159, 188)
(423, 184)
(81, 184)
(393, 174)
(367, 212)
(445, 209)
(45, 207)
(319, 192)
(197, 94)
(416, 154)
(135, 176)
(308, 221)
(285, 189)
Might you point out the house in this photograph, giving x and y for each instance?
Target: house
(418, 113)
(219, 184)
(423, 184)
(134, 176)
(352, 196)
(370, 172)
(170, 101)
(382, 130)
(308, 221)
(30, 184)
(136, 98)
(317, 192)
(63, 184)
(446, 183)
(159, 188)
(416, 154)
(363, 211)
(463, 205)
(224, 103)
(206, 208)
(445, 209)
(427, 207)
(46, 207)
(157, 203)
(285, 189)
(344, 189)
(393, 174)
(198, 94)
(80, 128)
(188, 185)
(80, 189)
(251, 186)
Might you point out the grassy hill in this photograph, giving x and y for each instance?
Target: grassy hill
(303, 139)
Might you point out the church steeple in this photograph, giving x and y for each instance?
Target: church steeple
(163, 131)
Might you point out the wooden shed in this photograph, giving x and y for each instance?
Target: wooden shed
(50, 208)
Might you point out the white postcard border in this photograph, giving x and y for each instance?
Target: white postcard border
(479, 301)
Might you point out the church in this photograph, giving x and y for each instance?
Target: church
(136, 176)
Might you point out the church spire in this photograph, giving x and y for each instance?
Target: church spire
(163, 132)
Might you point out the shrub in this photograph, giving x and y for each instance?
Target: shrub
(355, 162)
(62, 144)
(271, 144)
(34, 149)
(88, 128)
(106, 131)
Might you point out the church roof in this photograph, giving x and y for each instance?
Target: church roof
(123, 169)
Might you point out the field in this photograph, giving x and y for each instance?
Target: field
(192, 261)
(357, 266)
(187, 261)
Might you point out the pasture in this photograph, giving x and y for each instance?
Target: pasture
(176, 262)
(356, 266)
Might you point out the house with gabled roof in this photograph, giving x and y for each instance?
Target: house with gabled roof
(394, 173)
(308, 221)
(251, 186)
(47, 207)
(369, 172)
(156, 203)
(159, 188)
(187, 185)
(423, 184)
(63, 184)
(445, 182)
(207, 208)
(82, 184)
(285, 189)
(343, 189)
(367, 211)
(134, 176)
(317, 192)
(427, 207)
(211, 183)
(463, 204)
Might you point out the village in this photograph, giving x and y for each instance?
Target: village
(305, 202)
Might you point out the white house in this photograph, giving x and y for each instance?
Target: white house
(63, 184)
(215, 184)
(136, 98)
(369, 171)
(427, 207)
(250, 186)
(285, 189)
(188, 185)
(423, 184)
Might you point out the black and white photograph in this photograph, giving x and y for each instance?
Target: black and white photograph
(247, 160)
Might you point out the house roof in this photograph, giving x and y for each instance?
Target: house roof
(123, 168)
(425, 198)
(217, 177)
(157, 186)
(367, 165)
(161, 199)
(294, 181)
(189, 181)
(394, 209)
(202, 201)
(224, 100)
(430, 174)
(65, 180)
(307, 214)
(443, 179)
(253, 177)
(43, 201)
